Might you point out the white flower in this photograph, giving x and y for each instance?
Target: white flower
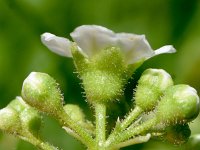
(92, 38)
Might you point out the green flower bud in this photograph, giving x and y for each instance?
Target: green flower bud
(150, 88)
(9, 121)
(180, 104)
(31, 121)
(75, 112)
(41, 91)
(103, 75)
(178, 134)
(29, 117)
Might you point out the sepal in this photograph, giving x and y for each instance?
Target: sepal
(178, 134)
(103, 75)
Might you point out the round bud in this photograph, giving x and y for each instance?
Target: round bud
(75, 112)
(41, 91)
(31, 121)
(9, 120)
(150, 88)
(29, 117)
(180, 104)
(178, 134)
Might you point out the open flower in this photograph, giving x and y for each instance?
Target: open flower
(92, 38)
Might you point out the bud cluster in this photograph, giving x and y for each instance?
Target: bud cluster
(162, 107)
(105, 61)
(170, 106)
(172, 103)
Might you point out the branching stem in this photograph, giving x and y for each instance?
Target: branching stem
(86, 138)
(126, 122)
(130, 132)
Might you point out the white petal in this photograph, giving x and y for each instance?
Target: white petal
(165, 49)
(92, 38)
(58, 45)
(135, 47)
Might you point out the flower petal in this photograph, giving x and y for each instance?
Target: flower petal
(92, 38)
(135, 47)
(165, 49)
(58, 45)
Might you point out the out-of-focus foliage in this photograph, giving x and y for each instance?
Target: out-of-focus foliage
(22, 22)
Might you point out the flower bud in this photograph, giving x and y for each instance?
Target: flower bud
(31, 121)
(180, 104)
(29, 117)
(41, 91)
(75, 112)
(9, 120)
(178, 134)
(150, 88)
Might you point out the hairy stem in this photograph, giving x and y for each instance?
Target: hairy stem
(130, 132)
(131, 117)
(38, 143)
(100, 113)
(136, 140)
(126, 122)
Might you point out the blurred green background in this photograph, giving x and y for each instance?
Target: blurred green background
(22, 22)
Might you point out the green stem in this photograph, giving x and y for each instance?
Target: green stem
(38, 143)
(72, 133)
(66, 121)
(130, 132)
(46, 146)
(136, 140)
(126, 122)
(131, 117)
(100, 112)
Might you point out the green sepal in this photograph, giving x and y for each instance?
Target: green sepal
(178, 134)
(81, 61)
(103, 76)
(131, 68)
